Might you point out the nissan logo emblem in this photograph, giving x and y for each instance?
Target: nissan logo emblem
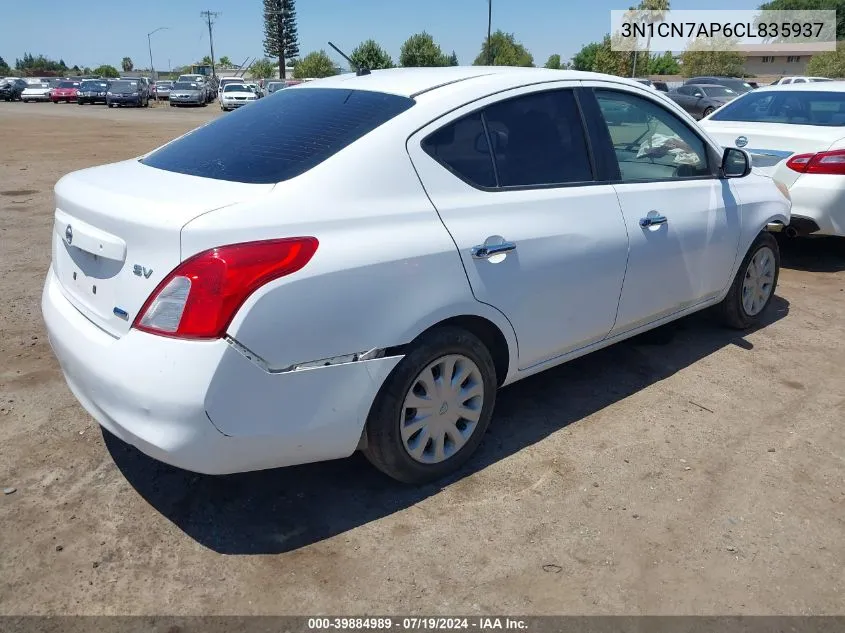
(69, 234)
(741, 141)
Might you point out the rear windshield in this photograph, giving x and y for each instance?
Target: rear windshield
(805, 107)
(236, 87)
(123, 86)
(279, 137)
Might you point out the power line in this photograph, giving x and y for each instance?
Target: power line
(209, 17)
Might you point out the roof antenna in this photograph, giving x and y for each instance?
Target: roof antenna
(359, 70)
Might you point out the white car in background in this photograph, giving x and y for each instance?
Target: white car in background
(785, 81)
(36, 91)
(361, 262)
(796, 134)
(236, 95)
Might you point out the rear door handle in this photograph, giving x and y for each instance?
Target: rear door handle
(653, 220)
(486, 251)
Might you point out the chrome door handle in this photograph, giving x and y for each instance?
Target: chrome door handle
(653, 220)
(483, 252)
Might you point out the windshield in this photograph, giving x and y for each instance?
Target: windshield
(186, 85)
(164, 84)
(93, 85)
(280, 138)
(124, 86)
(273, 87)
(718, 91)
(820, 79)
(236, 88)
(793, 107)
(68, 84)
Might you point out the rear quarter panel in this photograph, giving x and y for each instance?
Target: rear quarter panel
(386, 268)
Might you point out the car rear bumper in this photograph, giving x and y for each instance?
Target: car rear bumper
(821, 198)
(35, 97)
(202, 405)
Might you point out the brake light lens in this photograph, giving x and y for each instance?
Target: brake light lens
(200, 297)
(832, 162)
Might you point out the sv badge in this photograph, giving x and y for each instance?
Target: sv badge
(141, 271)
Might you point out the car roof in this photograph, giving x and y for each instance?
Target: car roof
(820, 86)
(410, 82)
(704, 85)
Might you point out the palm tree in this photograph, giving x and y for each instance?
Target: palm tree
(650, 11)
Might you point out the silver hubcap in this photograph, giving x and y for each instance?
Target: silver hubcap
(442, 409)
(759, 281)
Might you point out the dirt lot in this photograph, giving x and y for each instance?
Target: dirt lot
(689, 471)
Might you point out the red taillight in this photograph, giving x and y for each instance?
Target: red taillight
(832, 162)
(200, 297)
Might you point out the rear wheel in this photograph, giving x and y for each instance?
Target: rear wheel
(754, 285)
(708, 112)
(433, 410)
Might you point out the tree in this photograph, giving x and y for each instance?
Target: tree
(281, 40)
(649, 11)
(453, 59)
(76, 69)
(262, 69)
(613, 62)
(87, 71)
(62, 64)
(314, 65)
(553, 62)
(126, 64)
(585, 59)
(4, 67)
(818, 5)
(829, 64)
(421, 50)
(34, 65)
(106, 71)
(225, 61)
(664, 64)
(370, 55)
(206, 60)
(506, 51)
(709, 57)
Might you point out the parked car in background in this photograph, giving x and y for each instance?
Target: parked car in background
(256, 89)
(11, 88)
(644, 81)
(127, 92)
(662, 86)
(144, 86)
(225, 81)
(39, 91)
(236, 95)
(796, 134)
(208, 91)
(701, 99)
(243, 325)
(188, 93)
(92, 91)
(272, 86)
(783, 81)
(66, 91)
(739, 86)
(162, 89)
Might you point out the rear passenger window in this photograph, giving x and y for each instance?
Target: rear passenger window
(462, 148)
(539, 139)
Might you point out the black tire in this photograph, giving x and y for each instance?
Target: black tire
(384, 447)
(732, 310)
(708, 112)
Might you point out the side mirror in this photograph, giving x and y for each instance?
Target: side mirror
(736, 163)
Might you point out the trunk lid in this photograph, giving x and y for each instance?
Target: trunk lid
(771, 144)
(117, 233)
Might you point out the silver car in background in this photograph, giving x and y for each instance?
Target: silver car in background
(188, 93)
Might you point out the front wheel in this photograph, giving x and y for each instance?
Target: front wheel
(434, 408)
(707, 112)
(754, 285)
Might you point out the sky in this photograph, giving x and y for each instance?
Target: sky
(94, 32)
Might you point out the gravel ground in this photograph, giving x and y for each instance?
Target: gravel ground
(689, 471)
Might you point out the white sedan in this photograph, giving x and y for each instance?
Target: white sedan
(796, 134)
(361, 262)
(235, 96)
(36, 91)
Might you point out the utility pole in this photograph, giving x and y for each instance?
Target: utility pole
(489, 25)
(209, 17)
(150, 46)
